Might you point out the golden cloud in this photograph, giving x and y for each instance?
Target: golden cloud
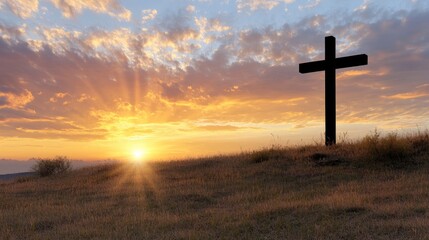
(70, 8)
(22, 8)
(148, 15)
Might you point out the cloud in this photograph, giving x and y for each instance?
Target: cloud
(212, 128)
(168, 41)
(58, 38)
(3, 101)
(264, 58)
(16, 101)
(406, 96)
(71, 8)
(12, 34)
(63, 89)
(363, 7)
(351, 73)
(148, 15)
(190, 8)
(310, 4)
(21, 8)
(254, 5)
(210, 29)
(176, 27)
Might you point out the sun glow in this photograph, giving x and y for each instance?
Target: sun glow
(138, 155)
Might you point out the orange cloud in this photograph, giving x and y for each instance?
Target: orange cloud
(406, 96)
(17, 101)
(352, 73)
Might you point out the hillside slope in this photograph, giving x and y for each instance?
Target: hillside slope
(299, 193)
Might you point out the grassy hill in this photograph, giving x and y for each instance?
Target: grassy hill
(374, 188)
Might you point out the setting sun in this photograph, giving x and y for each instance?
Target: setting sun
(138, 155)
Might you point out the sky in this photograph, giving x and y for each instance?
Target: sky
(105, 79)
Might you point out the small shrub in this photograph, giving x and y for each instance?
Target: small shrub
(24, 179)
(260, 156)
(391, 149)
(47, 167)
(420, 142)
(275, 152)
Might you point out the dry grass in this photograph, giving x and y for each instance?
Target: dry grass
(375, 188)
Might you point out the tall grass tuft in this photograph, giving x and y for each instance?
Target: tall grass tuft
(47, 167)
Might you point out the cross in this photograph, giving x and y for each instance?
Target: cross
(329, 65)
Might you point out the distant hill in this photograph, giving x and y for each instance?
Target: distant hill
(17, 166)
(14, 176)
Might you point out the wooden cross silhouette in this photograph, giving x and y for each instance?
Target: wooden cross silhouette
(329, 65)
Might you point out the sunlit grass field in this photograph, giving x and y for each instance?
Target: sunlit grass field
(373, 188)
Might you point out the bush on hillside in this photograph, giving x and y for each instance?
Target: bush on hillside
(420, 142)
(390, 149)
(47, 167)
(266, 154)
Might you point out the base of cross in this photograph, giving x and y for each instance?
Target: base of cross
(330, 141)
(329, 65)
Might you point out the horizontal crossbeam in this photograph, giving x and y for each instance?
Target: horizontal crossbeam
(351, 61)
(342, 62)
(315, 66)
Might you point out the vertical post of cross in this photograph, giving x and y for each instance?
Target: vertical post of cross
(330, 99)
